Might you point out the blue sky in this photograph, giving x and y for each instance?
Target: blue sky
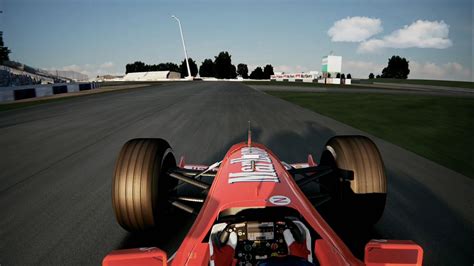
(101, 36)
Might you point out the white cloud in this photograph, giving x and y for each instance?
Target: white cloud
(354, 29)
(448, 71)
(71, 68)
(290, 69)
(283, 68)
(418, 70)
(90, 69)
(253, 67)
(361, 69)
(420, 34)
(107, 65)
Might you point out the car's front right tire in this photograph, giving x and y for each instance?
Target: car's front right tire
(363, 198)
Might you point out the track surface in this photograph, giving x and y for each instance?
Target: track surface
(57, 162)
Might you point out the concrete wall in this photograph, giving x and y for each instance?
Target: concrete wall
(36, 91)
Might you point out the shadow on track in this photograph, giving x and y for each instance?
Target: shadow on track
(289, 146)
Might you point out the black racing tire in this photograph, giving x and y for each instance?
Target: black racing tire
(364, 197)
(140, 189)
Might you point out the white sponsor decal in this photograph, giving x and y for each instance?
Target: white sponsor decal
(280, 200)
(256, 166)
(294, 76)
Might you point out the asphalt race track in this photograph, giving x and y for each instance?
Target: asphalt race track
(57, 163)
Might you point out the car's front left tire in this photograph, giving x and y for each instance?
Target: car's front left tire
(141, 187)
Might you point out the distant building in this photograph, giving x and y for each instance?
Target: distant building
(302, 76)
(152, 76)
(331, 64)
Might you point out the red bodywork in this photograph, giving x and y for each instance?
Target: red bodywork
(223, 194)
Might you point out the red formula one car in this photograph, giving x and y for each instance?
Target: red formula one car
(254, 212)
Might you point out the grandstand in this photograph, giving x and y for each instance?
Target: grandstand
(17, 74)
(9, 79)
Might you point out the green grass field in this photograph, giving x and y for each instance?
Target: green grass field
(438, 128)
(445, 83)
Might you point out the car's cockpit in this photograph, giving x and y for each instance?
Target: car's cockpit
(262, 236)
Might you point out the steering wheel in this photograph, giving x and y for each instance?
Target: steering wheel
(295, 231)
(220, 239)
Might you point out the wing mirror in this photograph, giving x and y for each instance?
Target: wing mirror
(136, 256)
(393, 252)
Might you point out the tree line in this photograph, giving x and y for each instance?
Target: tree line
(221, 67)
(4, 51)
(397, 68)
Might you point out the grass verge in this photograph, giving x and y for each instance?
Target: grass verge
(437, 128)
(298, 84)
(443, 83)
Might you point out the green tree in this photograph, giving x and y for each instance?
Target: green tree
(184, 69)
(4, 51)
(233, 72)
(137, 66)
(257, 73)
(243, 71)
(267, 71)
(168, 66)
(397, 68)
(223, 66)
(207, 68)
(371, 76)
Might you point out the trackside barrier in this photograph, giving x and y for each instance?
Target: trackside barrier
(86, 86)
(311, 80)
(8, 94)
(24, 94)
(59, 89)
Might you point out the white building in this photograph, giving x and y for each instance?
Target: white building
(331, 64)
(152, 76)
